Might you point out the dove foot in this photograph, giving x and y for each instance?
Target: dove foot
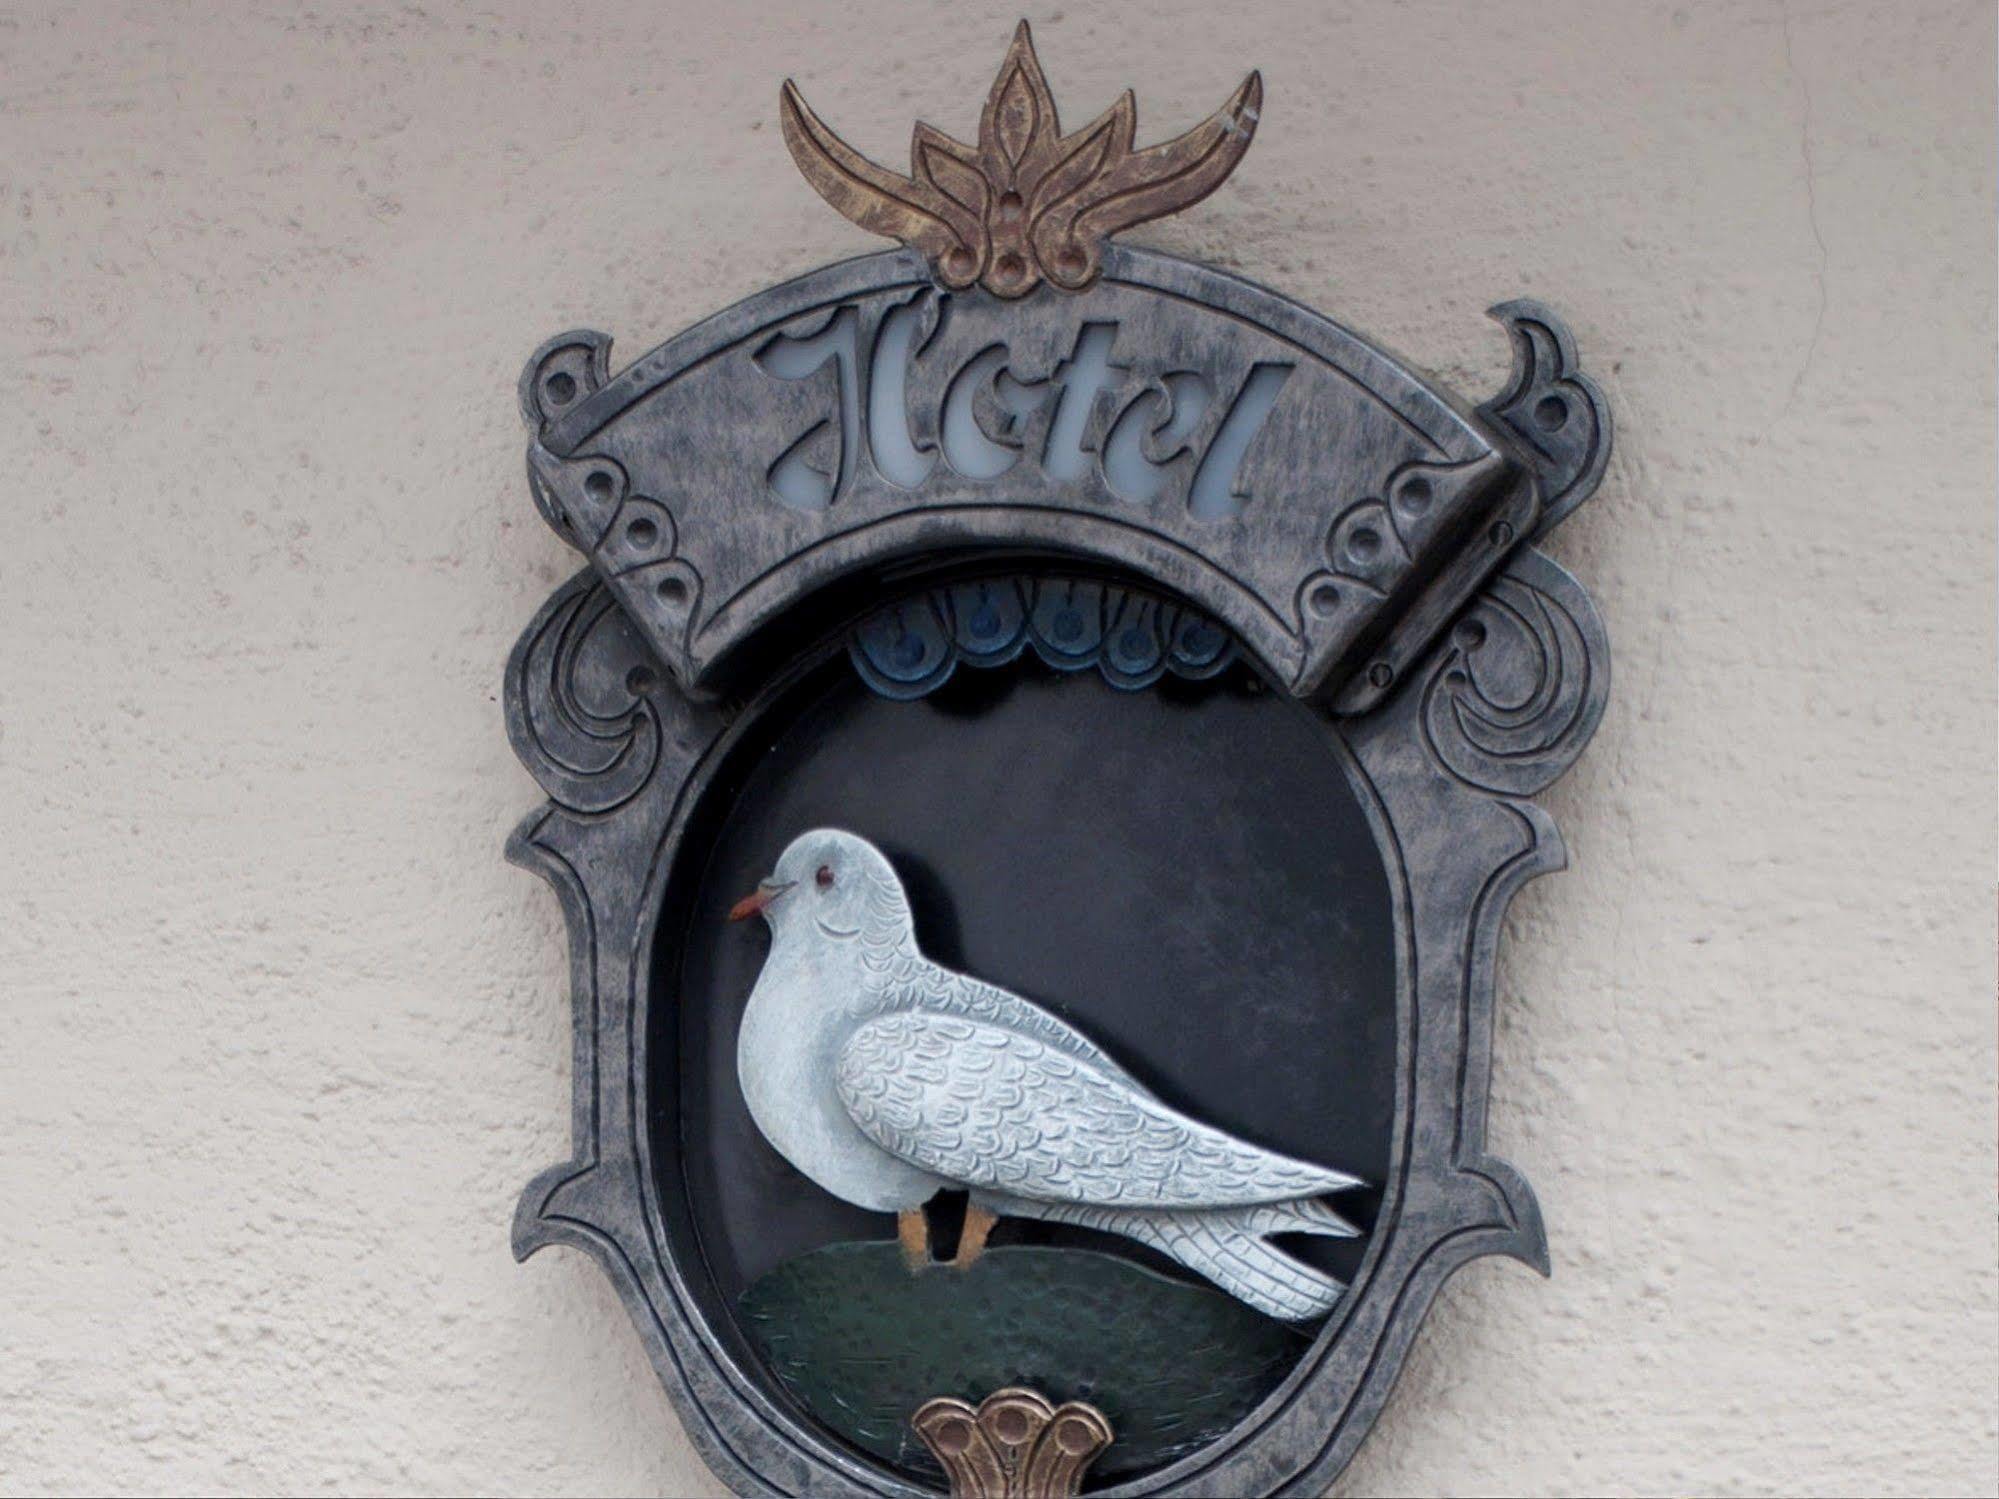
(972, 1238)
(912, 1231)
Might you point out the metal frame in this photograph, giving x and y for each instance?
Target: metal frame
(1464, 670)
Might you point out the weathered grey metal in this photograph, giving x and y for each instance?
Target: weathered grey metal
(1333, 534)
(1469, 670)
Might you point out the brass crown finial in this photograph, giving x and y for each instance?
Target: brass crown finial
(1028, 203)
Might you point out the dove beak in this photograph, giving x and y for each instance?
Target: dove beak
(753, 904)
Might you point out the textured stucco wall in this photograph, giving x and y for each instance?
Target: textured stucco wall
(283, 1036)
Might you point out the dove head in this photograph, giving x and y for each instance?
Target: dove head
(831, 885)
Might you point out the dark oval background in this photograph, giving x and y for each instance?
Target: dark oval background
(1185, 873)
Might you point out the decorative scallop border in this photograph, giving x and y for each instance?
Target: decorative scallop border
(1133, 637)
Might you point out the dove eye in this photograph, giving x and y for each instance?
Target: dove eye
(824, 878)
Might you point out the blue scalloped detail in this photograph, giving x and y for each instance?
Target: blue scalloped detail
(909, 649)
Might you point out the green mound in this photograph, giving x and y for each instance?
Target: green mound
(862, 1341)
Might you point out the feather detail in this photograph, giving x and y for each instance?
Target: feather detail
(1222, 1245)
(1044, 1123)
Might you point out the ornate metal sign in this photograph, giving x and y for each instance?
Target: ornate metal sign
(1108, 696)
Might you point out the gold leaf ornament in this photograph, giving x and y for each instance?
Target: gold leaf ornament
(1014, 1444)
(1027, 203)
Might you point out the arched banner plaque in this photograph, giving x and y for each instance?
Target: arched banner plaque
(1112, 694)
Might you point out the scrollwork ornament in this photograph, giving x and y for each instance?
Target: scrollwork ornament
(589, 712)
(1555, 412)
(1520, 685)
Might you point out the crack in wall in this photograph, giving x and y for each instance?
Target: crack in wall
(1811, 215)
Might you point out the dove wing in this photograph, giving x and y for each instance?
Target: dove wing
(929, 986)
(989, 1107)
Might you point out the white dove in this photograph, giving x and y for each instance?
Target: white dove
(884, 1077)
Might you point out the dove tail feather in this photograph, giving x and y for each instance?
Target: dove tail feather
(1223, 1244)
(1307, 1215)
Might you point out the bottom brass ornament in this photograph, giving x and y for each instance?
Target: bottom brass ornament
(1013, 1444)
